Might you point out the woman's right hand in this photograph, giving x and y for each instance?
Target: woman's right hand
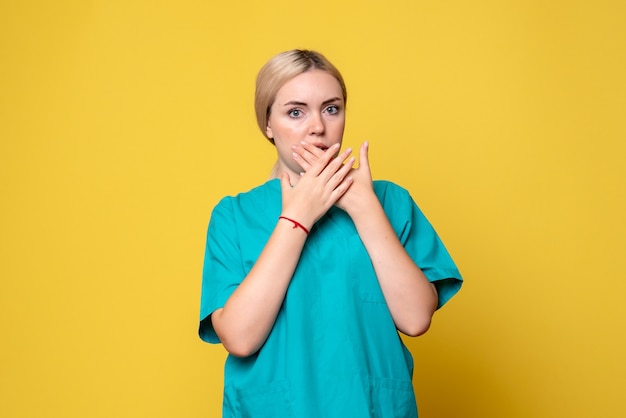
(317, 189)
(248, 315)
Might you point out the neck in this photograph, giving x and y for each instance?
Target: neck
(278, 170)
(275, 173)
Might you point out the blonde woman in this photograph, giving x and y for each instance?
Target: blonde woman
(309, 277)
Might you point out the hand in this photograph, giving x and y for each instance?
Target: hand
(325, 181)
(361, 191)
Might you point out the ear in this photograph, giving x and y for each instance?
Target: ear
(268, 130)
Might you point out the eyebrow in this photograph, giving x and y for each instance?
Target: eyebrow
(297, 103)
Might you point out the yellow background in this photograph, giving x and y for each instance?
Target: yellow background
(123, 123)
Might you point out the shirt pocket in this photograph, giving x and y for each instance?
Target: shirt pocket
(391, 398)
(265, 401)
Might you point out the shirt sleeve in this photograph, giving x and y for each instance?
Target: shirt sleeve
(422, 243)
(223, 270)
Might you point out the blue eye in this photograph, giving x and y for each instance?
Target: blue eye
(295, 113)
(332, 110)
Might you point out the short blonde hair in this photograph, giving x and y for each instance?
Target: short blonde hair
(282, 68)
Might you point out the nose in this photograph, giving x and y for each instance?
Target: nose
(316, 125)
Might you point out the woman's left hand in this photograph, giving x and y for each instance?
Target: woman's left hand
(360, 194)
(411, 298)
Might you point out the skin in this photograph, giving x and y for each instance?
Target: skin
(309, 107)
(306, 121)
(411, 298)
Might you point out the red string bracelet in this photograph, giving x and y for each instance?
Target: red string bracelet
(296, 224)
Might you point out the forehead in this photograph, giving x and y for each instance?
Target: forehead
(310, 86)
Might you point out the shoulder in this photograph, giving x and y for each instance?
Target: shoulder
(397, 201)
(250, 199)
(247, 210)
(389, 191)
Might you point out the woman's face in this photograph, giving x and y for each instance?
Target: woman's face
(309, 107)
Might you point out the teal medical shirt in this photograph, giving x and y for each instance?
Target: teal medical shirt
(334, 350)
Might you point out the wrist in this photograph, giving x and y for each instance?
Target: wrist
(361, 204)
(296, 224)
(365, 210)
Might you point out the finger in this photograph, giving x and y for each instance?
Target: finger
(301, 161)
(364, 162)
(313, 153)
(342, 173)
(321, 163)
(307, 152)
(302, 156)
(312, 149)
(338, 175)
(338, 164)
(285, 183)
(341, 189)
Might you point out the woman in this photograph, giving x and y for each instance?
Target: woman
(309, 277)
